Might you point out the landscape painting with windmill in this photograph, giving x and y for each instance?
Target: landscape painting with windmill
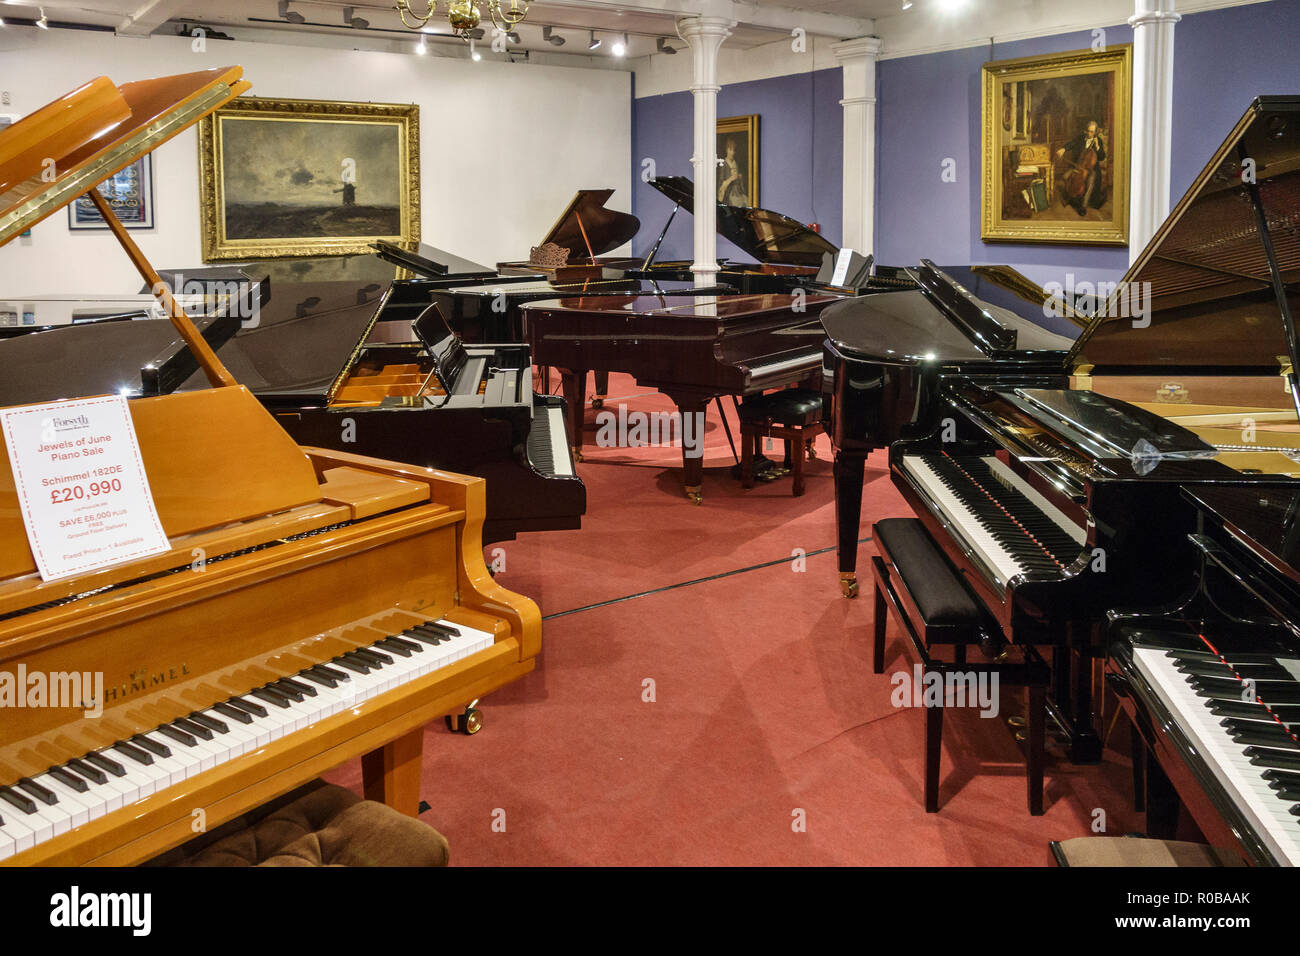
(1055, 147)
(306, 177)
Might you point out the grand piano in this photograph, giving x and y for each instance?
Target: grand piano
(1046, 441)
(789, 255)
(693, 348)
(312, 606)
(339, 367)
(574, 248)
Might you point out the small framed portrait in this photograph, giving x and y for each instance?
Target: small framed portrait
(1055, 148)
(129, 192)
(738, 151)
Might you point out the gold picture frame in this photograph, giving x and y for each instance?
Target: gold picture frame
(291, 178)
(1054, 161)
(737, 180)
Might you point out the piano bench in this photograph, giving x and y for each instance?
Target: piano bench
(791, 414)
(317, 825)
(1137, 851)
(915, 581)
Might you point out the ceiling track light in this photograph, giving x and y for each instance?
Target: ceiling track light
(549, 36)
(620, 46)
(43, 22)
(289, 16)
(592, 42)
(661, 46)
(357, 23)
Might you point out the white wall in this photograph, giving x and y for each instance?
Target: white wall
(502, 147)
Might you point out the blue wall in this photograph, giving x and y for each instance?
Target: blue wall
(801, 156)
(929, 109)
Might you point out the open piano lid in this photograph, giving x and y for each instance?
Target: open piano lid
(1222, 269)
(767, 236)
(604, 229)
(94, 132)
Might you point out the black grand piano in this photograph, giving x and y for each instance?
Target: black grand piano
(789, 255)
(1047, 445)
(321, 354)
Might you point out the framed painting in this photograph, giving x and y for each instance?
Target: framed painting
(1055, 148)
(284, 178)
(129, 192)
(737, 180)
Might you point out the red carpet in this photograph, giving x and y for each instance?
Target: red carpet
(766, 713)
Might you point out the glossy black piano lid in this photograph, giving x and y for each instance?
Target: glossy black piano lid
(1213, 306)
(304, 337)
(431, 262)
(766, 235)
(1264, 518)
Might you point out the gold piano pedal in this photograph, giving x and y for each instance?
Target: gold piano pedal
(849, 583)
(577, 453)
(598, 401)
(468, 722)
(695, 493)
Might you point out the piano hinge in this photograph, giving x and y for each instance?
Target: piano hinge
(1082, 377)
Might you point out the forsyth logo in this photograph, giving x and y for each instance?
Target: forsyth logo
(642, 429)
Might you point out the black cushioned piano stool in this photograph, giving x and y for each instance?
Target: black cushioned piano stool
(915, 580)
(792, 414)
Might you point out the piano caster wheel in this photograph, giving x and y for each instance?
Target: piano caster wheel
(695, 493)
(469, 722)
(849, 585)
(598, 401)
(1015, 720)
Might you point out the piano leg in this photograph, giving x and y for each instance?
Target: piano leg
(573, 383)
(1162, 801)
(692, 408)
(602, 389)
(849, 471)
(391, 774)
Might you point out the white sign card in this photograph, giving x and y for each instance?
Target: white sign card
(842, 266)
(81, 484)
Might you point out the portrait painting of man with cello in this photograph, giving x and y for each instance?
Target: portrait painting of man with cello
(1055, 147)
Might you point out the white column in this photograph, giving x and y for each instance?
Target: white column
(1153, 99)
(704, 35)
(858, 60)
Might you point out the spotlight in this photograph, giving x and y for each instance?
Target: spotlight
(476, 56)
(421, 48)
(43, 22)
(513, 36)
(356, 23)
(620, 46)
(661, 46)
(907, 4)
(292, 16)
(548, 36)
(592, 42)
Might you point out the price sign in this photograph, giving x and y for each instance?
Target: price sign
(82, 488)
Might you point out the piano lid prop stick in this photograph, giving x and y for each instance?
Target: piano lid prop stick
(217, 373)
(583, 229)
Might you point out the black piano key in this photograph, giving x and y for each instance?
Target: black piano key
(1274, 759)
(1261, 736)
(319, 678)
(397, 649)
(176, 734)
(105, 763)
(93, 774)
(70, 780)
(43, 794)
(211, 723)
(248, 706)
(1288, 777)
(190, 727)
(292, 693)
(297, 685)
(353, 661)
(1287, 793)
(271, 697)
(432, 638)
(331, 672)
(447, 629)
(23, 802)
(232, 712)
(357, 667)
(133, 752)
(377, 657)
(1249, 710)
(415, 647)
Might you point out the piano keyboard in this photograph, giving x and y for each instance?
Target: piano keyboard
(1010, 526)
(36, 809)
(548, 442)
(1251, 746)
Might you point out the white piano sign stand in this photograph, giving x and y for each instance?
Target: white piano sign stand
(81, 483)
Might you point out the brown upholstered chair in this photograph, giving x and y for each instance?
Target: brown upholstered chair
(317, 825)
